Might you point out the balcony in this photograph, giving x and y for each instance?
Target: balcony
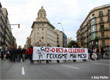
(107, 44)
(105, 29)
(104, 45)
(101, 21)
(85, 37)
(105, 37)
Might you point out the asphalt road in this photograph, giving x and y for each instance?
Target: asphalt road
(79, 70)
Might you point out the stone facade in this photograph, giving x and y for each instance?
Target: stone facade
(61, 39)
(95, 30)
(6, 37)
(28, 42)
(43, 32)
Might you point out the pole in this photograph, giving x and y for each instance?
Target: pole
(15, 24)
(63, 33)
(61, 26)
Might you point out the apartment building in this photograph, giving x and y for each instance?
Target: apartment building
(95, 29)
(6, 37)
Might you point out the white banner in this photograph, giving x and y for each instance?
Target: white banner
(59, 53)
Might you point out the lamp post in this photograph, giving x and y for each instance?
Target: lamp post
(64, 45)
(61, 26)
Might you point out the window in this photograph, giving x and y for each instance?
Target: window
(38, 24)
(94, 35)
(93, 28)
(100, 13)
(109, 19)
(93, 21)
(101, 27)
(39, 15)
(102, 34)
(109, 15)
(101, 20)
(109, 12)
(103, 42)
(42, 29)
(57, 41)
(92, 14)
(42, 37)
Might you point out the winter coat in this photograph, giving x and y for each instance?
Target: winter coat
(30, 51)
(19, 51)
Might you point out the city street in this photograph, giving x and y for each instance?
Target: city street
(54, 71)
(75, 32)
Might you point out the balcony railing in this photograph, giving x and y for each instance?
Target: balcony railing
(107, 44)
(106, 36)
(101, 21)
(105, 29)
(104, 45)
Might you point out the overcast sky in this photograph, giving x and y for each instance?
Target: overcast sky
(71, 13)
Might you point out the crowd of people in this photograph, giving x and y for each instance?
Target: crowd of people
(17, 54)
(99, 53)
(21, 54)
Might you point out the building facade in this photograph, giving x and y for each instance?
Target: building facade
(95, 29)
(6, 37)
(61, 39)
(69, 40)
(28, 42)
(43, 32)
(64, 40)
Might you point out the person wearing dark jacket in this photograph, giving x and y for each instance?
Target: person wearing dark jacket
(19, 53)
(98, 53)
(23, 53)
(102, 53)
(30, 52)
(13, 54)
(2, 53)
(26, 54)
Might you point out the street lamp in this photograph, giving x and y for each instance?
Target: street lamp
(64, 45)
(61, 26)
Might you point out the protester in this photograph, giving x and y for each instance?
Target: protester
(98, 53)
(0, 51)
(39, 53)
(102, 52)
(3, 52)
(23, 54)
(7, 54)
(107, 54)
(13, 54)
(30, 51)
(47, 61)
(26, 54)
(94, 54)
(90, 51)
(19, 54)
